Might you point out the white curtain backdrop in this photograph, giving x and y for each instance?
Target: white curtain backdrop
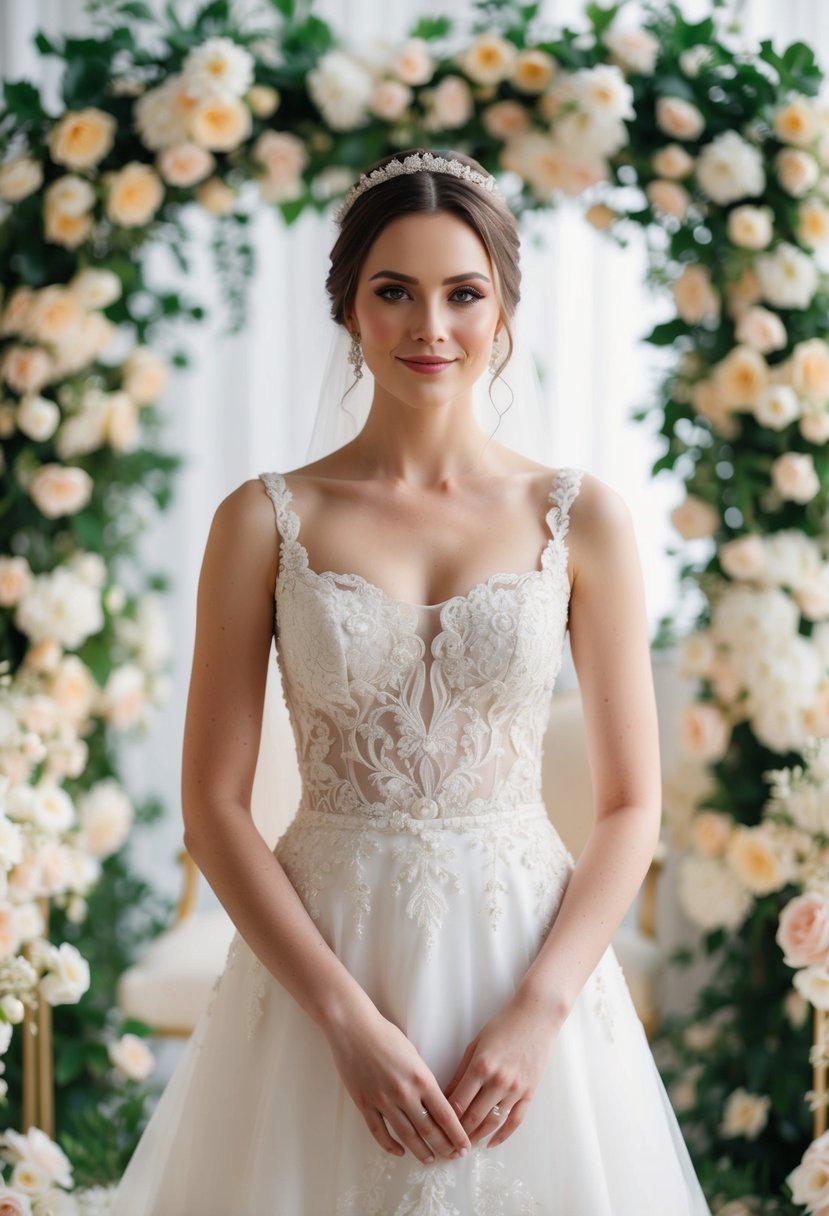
(247, 403)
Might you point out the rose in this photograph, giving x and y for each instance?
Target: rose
(284, 156)
(13, 1203)
(161, 115)
(15, 579)
(757, 860)
(743, 558)
(741, 377)
(695, 296)
(788, 277)
(489, 60)
(600, 216)
(704, 731)
(730, 168)
(796, 171)
(20, 177)
(185, 164)
(694, 518)
(809, 1181)
(603, 93)
(696, 653)
(36, 1146)
(776, 407)
(135, 193)
(54, 316)
(57, 490)
(745, 1114)
(217, 70)
(96, 288)
(668, 197)
(709, 402)
(82, 138)
(263, 100)
(813, 984)
(750, 227)
(341, 90)
(215, 196)
(449, 104)
(70, 231)
(742, 292)
(533, 71)
(810, 368)
(505, 119)
(678, 118)
(220, 126)
(389, 99)
(761, 329)
(131, 1056)
(710, 893)
(26, 369)
(814, 422)
(37, 417)
(794, 476)
(66, 983)
(797, 121)
(813, 222)
(711, 832)
(124, 696)
(633, 50)
(672, 161)
(105, 815)
(145, 375)
(413, 64)
(13, 317)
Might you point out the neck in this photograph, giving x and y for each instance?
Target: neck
(426, 445)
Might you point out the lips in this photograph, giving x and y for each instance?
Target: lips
(426, 360)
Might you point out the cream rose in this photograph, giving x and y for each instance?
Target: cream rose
(745, 1114)
(220, 126)
(69, 231)
(710, 833)
(145, 375)
(15, 579)
(709, 402)
(263, 100)
(13, 317)
(412, 63)
(489, 60)
(668, 197)
(757, 860)
(131, 1056)
(696, 653)
(743, 558)
(672, 161)
(695, 519)
(810, 1180)
(19, 178)
(794, 476)
(449, 104)
(814, 422)
(810, 368)
(390, 99)
(813, 984)
(813, 222)
(533, 71)
(96, 288)
(776, 407)
(788, 277)
(82, 138)
(678, 118)
(505, 119)
(730, 168)
(704, 731)
(185, 164)
(215, 196)
(761, 329)
(633, 50)
(797, 121)
(26, 369)
(741, 377)
(57, 490)
(750, 227)
(66, 983)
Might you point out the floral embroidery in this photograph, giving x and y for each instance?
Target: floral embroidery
(604, 1006)
(258, 982)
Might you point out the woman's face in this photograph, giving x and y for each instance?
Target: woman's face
(406, 309)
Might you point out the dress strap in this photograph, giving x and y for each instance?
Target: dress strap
(566, 484)
(287, 524)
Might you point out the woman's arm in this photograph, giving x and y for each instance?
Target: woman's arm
(611, 651)
(382, 1070)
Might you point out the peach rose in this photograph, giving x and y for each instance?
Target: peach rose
(814, 422)
(672, 161)
(743, 291)
(797, 171)
(757, 860)
(145, 375)
(26, 368)
(389, 99)
(59, 489)
(725, 681)
(215, 196)
(185, 164)
(82, 138)
(19, 178)
(704, 731)
(505, 119)
(70, 195)
(489, 60)
(803, 931)
(121, 423)
(813, 222)
(600, 216)
(777, 406)
(54, 315)
(533, 71)
(221, 126)
(744, 558)
(816, 715)
(412, 63)
(797, 122)
(695, 519)
(15, 579)
(810, 368)
(668, 197)
(711, 832)
(742, 376)
(263, 100)
(696, 298)
(678, 118)
(794, 476)
(696, 653)
(761, 329)
(134, 196)
(14, 315)
(449, 104)
(131, 1056)
(709, 402)
(69, 231)
(73, 687)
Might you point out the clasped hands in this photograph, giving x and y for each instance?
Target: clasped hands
(398, 1095)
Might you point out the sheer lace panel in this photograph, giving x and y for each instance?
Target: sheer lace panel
(394, 710)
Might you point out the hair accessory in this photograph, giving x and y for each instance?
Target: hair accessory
(417, 162)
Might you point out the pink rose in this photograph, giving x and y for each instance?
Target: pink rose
(803, 932)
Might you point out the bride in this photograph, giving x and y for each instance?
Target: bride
(421, 1011)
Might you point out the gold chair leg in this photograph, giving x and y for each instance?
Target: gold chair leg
(819, 1073)
(38, 1061)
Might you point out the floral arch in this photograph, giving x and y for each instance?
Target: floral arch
(721, 154)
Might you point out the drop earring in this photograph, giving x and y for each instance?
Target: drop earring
(355, 356)
(495, 353)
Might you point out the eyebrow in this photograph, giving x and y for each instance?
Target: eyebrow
(407, 278)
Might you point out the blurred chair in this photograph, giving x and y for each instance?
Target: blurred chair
(169, 985)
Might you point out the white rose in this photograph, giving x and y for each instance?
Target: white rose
(704, 731)
(711, 895)
(745, 1114)
(743, 558)
(696, 653)
(13, 1203)
(20, 177)
(603, 93)
(37, 1147)
(810, 368)
(810, 1180)
(729, 168)
(788, 277)
(792, 559)
(814, 422)
(57, 490)
(105, 815)
(634, 50)
(96, 288)
(59, 606)
(37, 417)
(678, 118)
(69, 980)
(55, 1203)
(52, 808)
(813, 984)
(761, 329)
(794, 476)
(341, 89)
(162, 115)
(776, 407)
(131, 1056)
(750, 227)
(219, 69)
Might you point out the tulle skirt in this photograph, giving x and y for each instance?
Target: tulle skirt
(438, 925)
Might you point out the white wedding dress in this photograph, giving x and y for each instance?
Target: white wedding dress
(423, 851)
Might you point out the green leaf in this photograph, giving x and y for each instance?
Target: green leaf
(601, 18)
(431, 27)
(23, 101)
(138, 10)
(85, 81)
(44, 46)
(285, 7)
(666, 333)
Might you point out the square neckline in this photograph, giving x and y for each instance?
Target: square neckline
(556, 540)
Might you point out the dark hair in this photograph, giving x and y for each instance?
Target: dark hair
(486, 214)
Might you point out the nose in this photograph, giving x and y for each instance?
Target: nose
(428, 322)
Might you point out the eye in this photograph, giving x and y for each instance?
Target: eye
(382, 292)
(469, 291)
(476, 295)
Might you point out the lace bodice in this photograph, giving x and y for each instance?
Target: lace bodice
(419, 711)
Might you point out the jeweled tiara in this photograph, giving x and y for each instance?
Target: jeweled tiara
(417, 162)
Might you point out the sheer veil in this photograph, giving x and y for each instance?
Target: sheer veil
(513, 412)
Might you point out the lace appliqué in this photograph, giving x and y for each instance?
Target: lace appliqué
(429, 1189)
(604, 1004)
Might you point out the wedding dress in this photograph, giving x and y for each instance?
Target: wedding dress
(423, 851)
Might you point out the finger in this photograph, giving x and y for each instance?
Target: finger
(512, 1122)
(460, 1070)
(402, 1125)
(488, 1124)
(446, 1117)
(378, 1129)
(433, 1134)
(479, 1110)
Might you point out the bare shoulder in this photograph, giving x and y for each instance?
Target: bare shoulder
(243, 530)
(601, 525)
